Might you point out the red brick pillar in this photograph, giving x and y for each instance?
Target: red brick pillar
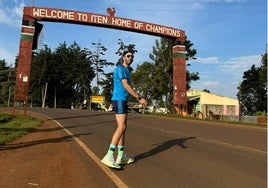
(179, 79)
(24, 62)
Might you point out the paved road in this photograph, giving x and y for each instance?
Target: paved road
(170, 152)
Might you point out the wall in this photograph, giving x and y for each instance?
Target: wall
(212, 106)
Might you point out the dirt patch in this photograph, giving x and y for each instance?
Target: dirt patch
(42, 158)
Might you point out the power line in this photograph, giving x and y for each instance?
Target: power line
(192, 10)
(210, 3)
(207, 6)
(178, 2)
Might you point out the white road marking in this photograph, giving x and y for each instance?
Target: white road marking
(106, 169)
(33, 184)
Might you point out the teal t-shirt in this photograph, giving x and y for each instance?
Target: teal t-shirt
(119, 92)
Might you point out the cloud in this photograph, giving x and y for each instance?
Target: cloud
(206, 60)
(218, 87)
(11, 13)
(224, 1)
(210, 83)
(236, 66)
(233, 65)
(223, 76)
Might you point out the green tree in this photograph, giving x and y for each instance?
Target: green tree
(252, 93)
(68, 73)
(39, 74)
(142, 80)
(107, 85)
(263, 71)
(3, 68)
(7, 81)
(163, 79)
(206, 90)
(98, 62)
(75, 72)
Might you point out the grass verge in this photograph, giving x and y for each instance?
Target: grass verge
(14, 126)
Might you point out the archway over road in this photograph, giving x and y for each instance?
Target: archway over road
(31, 29)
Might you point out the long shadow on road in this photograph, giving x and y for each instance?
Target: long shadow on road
(11, 146)
(163, 147)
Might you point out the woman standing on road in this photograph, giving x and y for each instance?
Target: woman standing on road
(122, 91)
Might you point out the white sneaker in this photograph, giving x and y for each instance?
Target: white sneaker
(109, 161)
(124, 160)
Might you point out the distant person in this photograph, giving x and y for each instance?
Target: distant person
(85, 104)
(72, 106)
(110, 109)
(122, 91)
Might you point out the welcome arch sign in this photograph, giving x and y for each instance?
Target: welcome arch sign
(31, 29)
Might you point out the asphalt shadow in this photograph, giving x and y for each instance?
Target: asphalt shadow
(160, 147)
(12, 146)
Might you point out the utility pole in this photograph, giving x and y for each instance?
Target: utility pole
(55, 97)
(44, 97)
(99, 51)
(9, 91)
(97, 66)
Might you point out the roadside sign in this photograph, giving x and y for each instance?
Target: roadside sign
(98, 99)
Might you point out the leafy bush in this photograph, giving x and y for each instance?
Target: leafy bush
(259, 113)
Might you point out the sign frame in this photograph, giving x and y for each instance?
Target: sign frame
(31, 29)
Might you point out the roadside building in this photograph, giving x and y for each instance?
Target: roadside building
(210, 106)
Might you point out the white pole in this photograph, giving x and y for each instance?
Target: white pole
(44, 99)
(55, 98)
(9, 94)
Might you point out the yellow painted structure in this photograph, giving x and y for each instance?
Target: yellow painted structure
(211, 105)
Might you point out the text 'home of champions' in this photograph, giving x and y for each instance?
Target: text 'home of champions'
(104, 20)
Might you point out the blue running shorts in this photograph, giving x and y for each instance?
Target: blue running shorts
(120, 106)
